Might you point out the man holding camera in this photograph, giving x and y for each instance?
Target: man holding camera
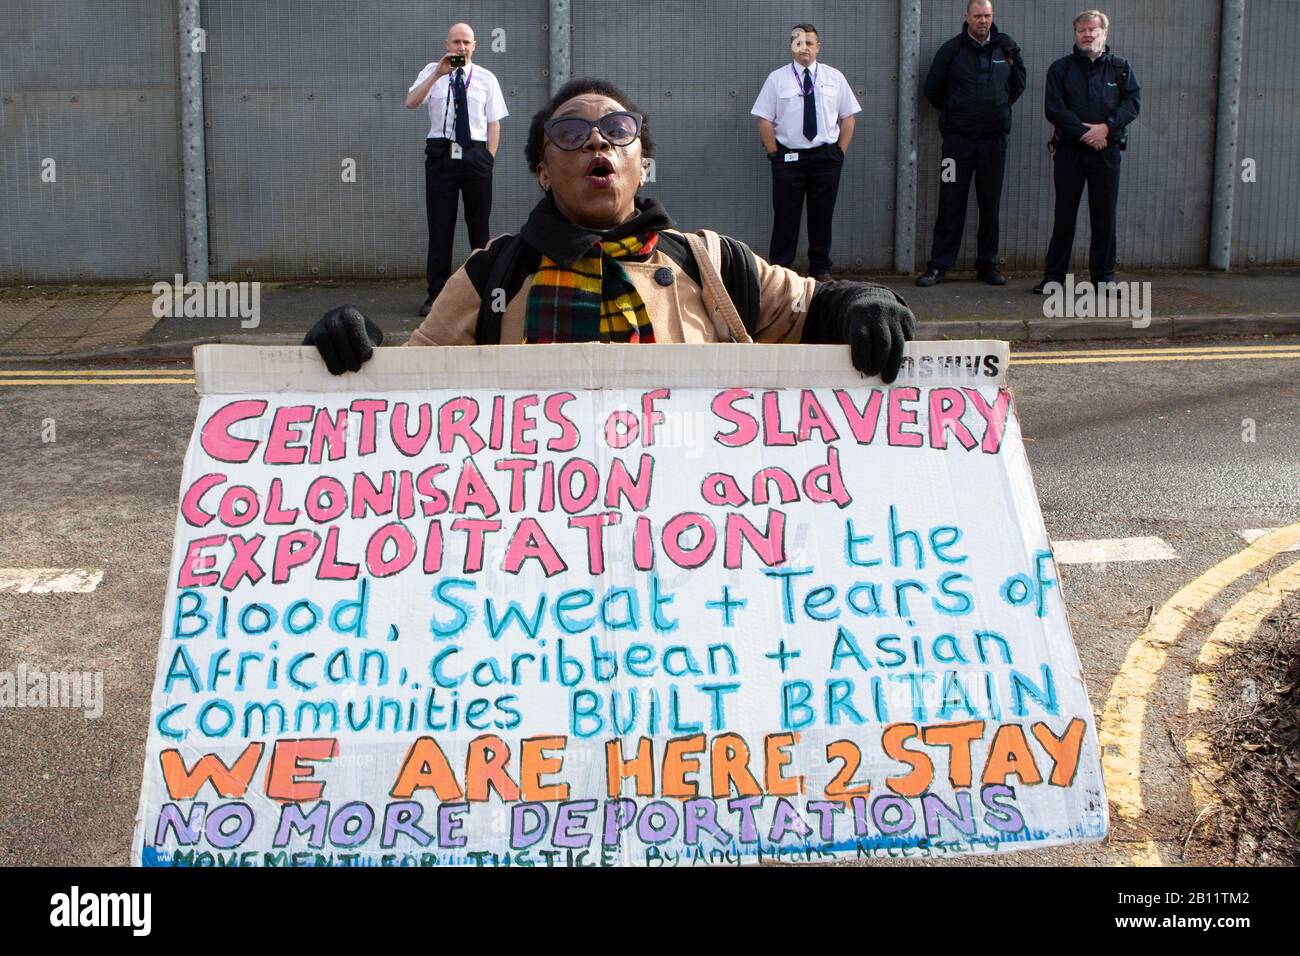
(806, 113)
(1091, 98)
(465, 112)
(974, 80)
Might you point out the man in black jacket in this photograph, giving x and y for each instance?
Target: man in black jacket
(1092, 96)
(974, 79)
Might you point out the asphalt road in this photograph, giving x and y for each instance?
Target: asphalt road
(1192, 451)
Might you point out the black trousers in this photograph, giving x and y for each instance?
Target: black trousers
(445, 180)
(983, 159)
(1073, 168)
(816, 177)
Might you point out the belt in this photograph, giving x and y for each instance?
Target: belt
(444, 139)
(808, 149)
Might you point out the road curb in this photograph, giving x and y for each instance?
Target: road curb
(1076, 330)
(160, 351)
(1009, 330)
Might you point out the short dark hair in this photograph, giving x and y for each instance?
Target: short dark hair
(536, 144)
(806, 28)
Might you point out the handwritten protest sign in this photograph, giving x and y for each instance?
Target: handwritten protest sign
(592, 605)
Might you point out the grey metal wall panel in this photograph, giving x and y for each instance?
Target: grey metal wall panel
(1166, 177)
(1266, 217)
(696, 68)
(90, 84)
(295, 87)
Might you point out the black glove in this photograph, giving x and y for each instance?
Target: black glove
(873, 320)
(345, 339)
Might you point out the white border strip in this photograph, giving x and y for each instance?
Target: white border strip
(49, 580)
(247, 369)
(1112, 550)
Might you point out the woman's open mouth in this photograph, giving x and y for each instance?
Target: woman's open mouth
(600, 173)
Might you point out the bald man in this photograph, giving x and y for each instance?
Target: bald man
(465, 112)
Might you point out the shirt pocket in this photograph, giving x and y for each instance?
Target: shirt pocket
(789, 110)
(477, 96)
(828, 96)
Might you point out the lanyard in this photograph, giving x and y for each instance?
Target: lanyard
(799, 79)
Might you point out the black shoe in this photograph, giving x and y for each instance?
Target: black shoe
(1041, 288)
(427, 307)
(992, 277)
(822, 276)
(930, 277)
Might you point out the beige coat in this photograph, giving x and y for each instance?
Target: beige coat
(677, 311)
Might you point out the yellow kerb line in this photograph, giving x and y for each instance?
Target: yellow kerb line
(1155, 358)
(96, 381)
(1170, 350)
(1075, 355)
(1236, 628)
(1091, 357)
(94, 373)
(1120, 733)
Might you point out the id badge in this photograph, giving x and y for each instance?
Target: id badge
(456, 151)
(792, 157)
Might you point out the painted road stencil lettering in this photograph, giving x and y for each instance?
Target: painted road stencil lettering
(465, 610)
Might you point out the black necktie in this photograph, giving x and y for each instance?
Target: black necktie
(462, 111)
(809, 108)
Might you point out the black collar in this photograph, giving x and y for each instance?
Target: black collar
(550, 233)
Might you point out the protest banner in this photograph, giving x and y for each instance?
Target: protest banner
(597, 605)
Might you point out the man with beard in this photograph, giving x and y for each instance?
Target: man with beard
(1091, 98)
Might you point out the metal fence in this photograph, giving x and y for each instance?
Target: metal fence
(295, 91)
(698, 80)
(89, 142)
(1266, 214)
(1166, 173)
(299, 92)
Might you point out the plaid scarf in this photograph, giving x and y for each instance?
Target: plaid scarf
(580, 292)
(592, 301)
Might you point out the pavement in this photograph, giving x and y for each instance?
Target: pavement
(43, 323)
(1189, 449)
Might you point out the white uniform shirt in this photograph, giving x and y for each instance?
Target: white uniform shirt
(780, 101)
(486, 104)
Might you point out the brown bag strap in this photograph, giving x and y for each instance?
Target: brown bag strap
(706, 247)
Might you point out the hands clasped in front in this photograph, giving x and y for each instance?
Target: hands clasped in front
(1097, 135)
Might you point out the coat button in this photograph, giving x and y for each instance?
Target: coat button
(664, 276)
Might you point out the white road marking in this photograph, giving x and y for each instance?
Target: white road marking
(1250, 534)
(50, 580)
(1108, 550)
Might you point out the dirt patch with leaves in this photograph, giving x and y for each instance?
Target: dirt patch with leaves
(1253, 818)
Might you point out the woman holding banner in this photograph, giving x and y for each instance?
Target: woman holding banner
(595, 262)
